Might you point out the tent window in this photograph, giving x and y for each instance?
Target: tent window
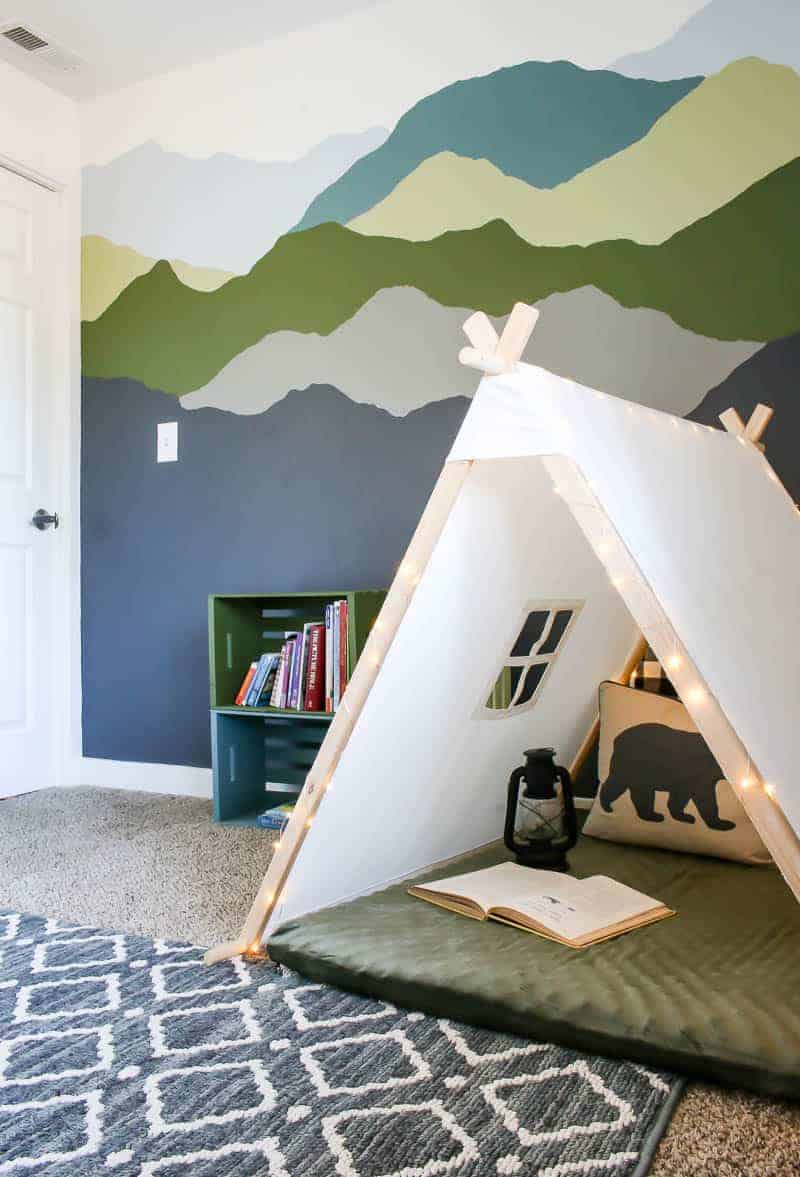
(539, 641)
(530, 633)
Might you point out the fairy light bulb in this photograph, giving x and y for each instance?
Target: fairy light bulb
(674, 662)
(770, 791)
(696, 695)
(746, 782)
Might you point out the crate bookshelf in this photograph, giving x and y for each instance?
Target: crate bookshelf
(260, 755)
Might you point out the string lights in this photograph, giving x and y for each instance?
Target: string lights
(650, 617)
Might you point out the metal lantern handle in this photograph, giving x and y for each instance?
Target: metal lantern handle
(514, 781)
(570, 818)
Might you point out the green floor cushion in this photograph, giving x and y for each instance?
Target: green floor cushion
(713, 992)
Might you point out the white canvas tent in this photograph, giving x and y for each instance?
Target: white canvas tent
(554, 496)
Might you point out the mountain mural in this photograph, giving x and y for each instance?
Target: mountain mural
(222, 212)
(732, 275)
(300, 319)
(720, 32)
(732, 130)
(542, 122)
(106, 269)
(636, 354)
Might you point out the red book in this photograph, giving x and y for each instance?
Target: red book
(243, 689)
(315, 682)
(342, 647)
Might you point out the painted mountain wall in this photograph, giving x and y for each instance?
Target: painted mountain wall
(261, 300)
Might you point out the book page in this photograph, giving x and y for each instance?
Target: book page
(491, 887)
(588, 906)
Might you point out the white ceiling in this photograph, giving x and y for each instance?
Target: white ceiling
(123, 41)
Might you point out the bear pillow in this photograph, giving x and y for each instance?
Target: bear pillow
(660, 785)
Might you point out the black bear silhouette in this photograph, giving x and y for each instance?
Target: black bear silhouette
(652, 758)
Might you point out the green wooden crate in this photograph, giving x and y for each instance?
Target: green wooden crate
(243, 627)
(261, 756)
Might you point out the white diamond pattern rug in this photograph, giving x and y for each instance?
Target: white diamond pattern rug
(127, 1057)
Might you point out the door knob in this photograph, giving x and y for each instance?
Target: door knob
(41, 520)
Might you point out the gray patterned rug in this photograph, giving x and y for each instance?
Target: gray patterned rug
(127, 1057)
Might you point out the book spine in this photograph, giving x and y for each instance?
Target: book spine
(257, 683)
(343, 635)
(287, 662)
(291, 694)
(299, 696)
(315, 685)
(328, 658)
(336, 682)
(275, 697)
(245, 687)
(287, 671)
(265, 693)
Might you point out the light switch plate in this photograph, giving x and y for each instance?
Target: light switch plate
(167, 441)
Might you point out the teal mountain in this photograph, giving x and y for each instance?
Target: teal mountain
(542, 122)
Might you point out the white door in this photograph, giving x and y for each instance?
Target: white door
(29, 268)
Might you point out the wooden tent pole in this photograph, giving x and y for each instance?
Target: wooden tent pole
(634, 658)
(397, 600)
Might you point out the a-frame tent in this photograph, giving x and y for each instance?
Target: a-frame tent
(554, 497)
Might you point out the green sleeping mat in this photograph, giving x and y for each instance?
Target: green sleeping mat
(713, 991)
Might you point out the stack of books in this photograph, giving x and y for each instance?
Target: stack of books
(275, 818)
(309, 673)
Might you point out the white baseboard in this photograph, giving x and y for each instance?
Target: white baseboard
(183, 781)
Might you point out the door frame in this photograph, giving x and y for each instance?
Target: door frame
(47, 145)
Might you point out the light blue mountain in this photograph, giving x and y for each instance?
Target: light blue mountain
(540, 121)
(723, 31)
(222, 212)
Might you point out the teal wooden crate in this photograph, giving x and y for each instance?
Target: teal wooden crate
(261, 756)
(260, 761)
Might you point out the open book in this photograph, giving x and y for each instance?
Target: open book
(575, 912)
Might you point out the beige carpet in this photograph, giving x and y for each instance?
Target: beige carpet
(157, 865)
(720, 1133)
(140, 862)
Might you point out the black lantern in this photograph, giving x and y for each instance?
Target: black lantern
(540, 821)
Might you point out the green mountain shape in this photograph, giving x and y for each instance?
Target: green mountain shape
(735, 274)
(735, 128)
(107, 269)
(539, 121)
